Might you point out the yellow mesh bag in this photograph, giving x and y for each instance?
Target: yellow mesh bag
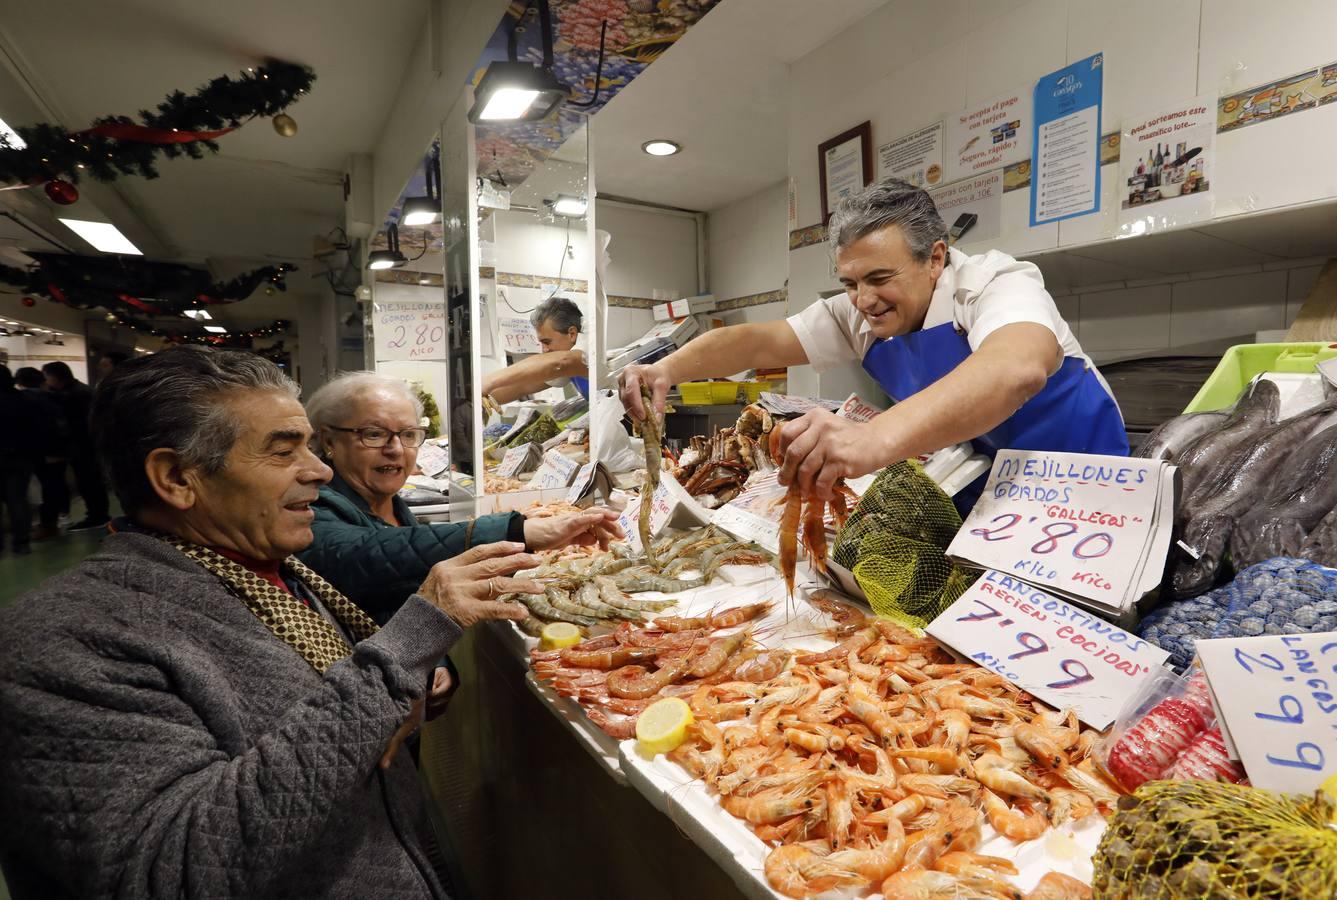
(894, 543)
(1203, 839)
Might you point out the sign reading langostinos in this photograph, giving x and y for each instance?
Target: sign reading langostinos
(1044, 645)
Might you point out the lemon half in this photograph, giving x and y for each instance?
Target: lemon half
(557, 635)
(663, 725)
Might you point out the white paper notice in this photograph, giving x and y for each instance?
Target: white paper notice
(989, 135)
(1048, 647)
(981, 195)
(1278, 697)
(1066, 170)
(513, 462)
(556, 472)
(916, 157)
(517, 335)
(433, 459)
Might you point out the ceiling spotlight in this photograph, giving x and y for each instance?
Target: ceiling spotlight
(426, 210)
(568, 206)
(197, 314)
(388, 258)
(661, 147)
(512, 91)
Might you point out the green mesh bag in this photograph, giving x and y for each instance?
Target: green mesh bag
(895, 541)
(1205, 839)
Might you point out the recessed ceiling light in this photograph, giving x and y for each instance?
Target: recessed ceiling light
(661, 147)
(103, 236)
(197, 314)
(216, 329)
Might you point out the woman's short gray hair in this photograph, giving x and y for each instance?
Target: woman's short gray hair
(890, 202)
(175, 399)
(330, 404)
(561, 312)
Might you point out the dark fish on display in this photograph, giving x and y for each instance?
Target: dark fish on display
(1210, 511)
(1321, 543)
(1172, 436)
(1304, 491)
(1257, 408)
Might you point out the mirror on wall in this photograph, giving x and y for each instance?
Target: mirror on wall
(537, 318)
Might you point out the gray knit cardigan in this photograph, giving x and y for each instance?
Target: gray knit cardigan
(156, 740)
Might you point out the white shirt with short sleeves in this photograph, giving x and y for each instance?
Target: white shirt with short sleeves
(977, 294)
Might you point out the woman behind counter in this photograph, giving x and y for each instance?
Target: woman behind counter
(368, 543)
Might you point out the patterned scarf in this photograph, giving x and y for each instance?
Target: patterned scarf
(291, 620)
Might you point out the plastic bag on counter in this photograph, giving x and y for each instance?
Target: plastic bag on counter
(1284, 595)
(1167, 731)
(610, 443)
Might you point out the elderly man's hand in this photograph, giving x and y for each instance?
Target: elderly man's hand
(466, 588)
(593, 526)
(820, 447)
(423, 709)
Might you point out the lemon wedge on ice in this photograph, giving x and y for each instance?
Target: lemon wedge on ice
(557, 635)
(663, 725)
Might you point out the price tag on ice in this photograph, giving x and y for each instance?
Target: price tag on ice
(513, 461)
(1277, 695)
(582, 482)
(1078, 524)
(1047, 647)
(556, 472)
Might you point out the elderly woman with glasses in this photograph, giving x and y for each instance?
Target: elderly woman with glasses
(367, 542)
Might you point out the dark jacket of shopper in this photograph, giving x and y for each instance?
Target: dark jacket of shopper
(162, 743)
(378, 565)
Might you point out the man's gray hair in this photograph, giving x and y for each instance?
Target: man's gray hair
(332, 403)
(561, 312)
(890, 202)
(174, 399)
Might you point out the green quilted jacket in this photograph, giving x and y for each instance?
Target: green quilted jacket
(378, 566)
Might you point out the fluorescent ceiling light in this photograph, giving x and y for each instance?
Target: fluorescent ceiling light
(216, 329)
(197, 314)
(11, 137)
(568, 206)
(661, 147)
(103, 236)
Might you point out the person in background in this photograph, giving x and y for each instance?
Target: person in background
(49, 465)
(970, 348)
(367, 541)
(108, 361)
(557, 322)
(76, 398)
(190, 711)
(21, 440)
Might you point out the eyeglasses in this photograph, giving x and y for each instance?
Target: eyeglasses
(373, 436)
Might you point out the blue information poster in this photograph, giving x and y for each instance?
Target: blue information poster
(1065, 152)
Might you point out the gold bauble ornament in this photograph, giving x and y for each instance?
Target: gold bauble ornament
(285, 125)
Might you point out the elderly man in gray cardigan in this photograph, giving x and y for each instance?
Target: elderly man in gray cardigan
(193, 712)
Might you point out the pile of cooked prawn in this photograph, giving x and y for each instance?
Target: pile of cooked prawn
(874, 766)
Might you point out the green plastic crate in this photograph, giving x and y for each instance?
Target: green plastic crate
(1243, 362)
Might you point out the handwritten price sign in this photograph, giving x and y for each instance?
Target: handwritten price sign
(1048, 647)
(409, 329)
(1277, 699)
(556, 472)
(513, 462)
(1078, 524)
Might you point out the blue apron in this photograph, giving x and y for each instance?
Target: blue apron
(582, 385)
(1073, 413)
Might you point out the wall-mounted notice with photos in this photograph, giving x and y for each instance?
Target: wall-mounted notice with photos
(409, 329)
(1166, 165)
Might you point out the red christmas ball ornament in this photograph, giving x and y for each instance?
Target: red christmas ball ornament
(61, 192)
(28, 302)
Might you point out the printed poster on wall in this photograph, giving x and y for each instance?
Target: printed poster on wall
(1166, 160)
(1066, 158)
(988, 135)
(981, 195)
(915, 158)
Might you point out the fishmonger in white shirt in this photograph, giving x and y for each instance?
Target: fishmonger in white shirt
(971, 348)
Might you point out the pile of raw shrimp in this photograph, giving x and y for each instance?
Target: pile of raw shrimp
(874, 766)
(617, 675)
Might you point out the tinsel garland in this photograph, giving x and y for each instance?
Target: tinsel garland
(230, 339)
(122, 283)
(183, 124)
